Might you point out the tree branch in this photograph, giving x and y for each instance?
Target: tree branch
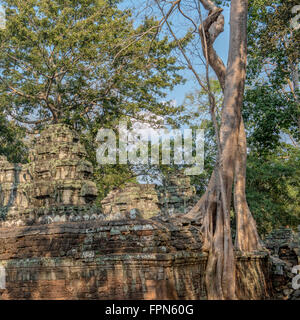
(213, 26)
(27, 121)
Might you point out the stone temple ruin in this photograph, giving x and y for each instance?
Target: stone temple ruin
(284, 246)
(56, 244)
(57, 177)
(177, 197)
(56, 186)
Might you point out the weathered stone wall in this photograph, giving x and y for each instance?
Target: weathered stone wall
(54, 244)
(175, 196)
(284, 246)
(57, 176)
(284, 243)
(141, 259)
(104, 260)
(143, 197)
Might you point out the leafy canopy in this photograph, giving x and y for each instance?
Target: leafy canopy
(76, 60)
(83, 63)
(272, 99)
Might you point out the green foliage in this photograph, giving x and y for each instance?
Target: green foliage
(83, 63)
(272, 41)
(197, 104)
(272, 94)
(11, 144)
(272, 115)
(273, 189)
(69, 61)
(268, 115)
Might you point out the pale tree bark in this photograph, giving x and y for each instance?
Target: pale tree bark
(213, 209)
(220, 273)
(247, 238)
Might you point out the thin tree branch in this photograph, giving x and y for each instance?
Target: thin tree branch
(213, 26)
(190, 65)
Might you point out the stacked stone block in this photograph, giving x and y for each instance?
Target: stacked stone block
(57, 177)
(143, 198)
(284, 246)
(140, 259)
(175, 196)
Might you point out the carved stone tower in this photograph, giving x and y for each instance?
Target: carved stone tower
(56, 181)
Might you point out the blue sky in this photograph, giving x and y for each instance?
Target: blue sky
(221, 46)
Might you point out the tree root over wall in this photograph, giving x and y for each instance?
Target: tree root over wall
(253, 280)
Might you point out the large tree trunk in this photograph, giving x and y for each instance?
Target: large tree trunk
(247, 238)
(231, 168)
